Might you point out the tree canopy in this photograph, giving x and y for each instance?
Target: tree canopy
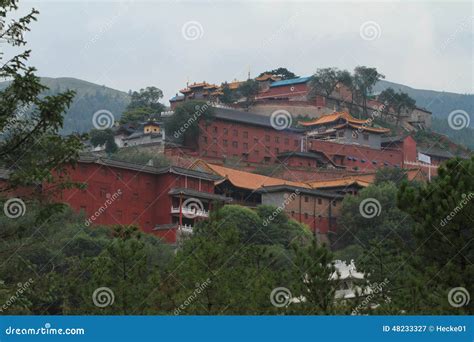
(283, 73)
(30, 145)
(144, 105)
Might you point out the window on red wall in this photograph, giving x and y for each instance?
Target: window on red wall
(296, 143)
(135, 217)
(224, 142)
(320, 201)
(277, 139)
(267, 138)
(255, 140)
(215, 129)
(245, 134)
(246, 146)
(226, 131)
(287, 141)
(235, 133)
(103, 192)
(235, 144)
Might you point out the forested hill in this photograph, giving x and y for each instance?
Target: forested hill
(439, 102)
(90, 97)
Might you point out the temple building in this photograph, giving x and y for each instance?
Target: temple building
(345, 129)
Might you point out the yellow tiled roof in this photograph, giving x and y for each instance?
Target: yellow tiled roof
(333, 117)
(246, 180)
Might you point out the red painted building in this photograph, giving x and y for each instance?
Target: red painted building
(247, 137)
(160, 200)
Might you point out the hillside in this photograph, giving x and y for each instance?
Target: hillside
(90, 97)
(439, 102)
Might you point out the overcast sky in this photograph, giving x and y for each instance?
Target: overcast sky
(133, 44)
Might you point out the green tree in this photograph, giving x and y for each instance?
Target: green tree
(228, 96)
(365, 79)
(324, 81)
(248, 90)
(144, 105)
(184, 125)
(283, 73)
(390, 174)
(30, 145)
(373, 215)
(399, 102)
(443, 211)
(313, 268)
(104, 137)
